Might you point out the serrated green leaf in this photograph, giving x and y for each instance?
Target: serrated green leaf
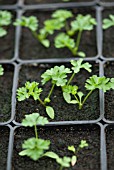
(34, 119)
(77, 65)
(63, 40)
(83, 144)
(29, 22)
(72, 148)
(34, 148)
(64, 162)
(50, 112)
(107, 23)
(62, 15)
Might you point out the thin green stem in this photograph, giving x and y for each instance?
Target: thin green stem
(36, 133)
(75, 50)
(49, 95)
(86, 98)
(76, 98)
(72, 76)
(42, 102)
(61, 168)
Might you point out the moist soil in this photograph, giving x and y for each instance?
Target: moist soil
(51, 1)
(8, 2)
(7, 42)
(109, 96)
(30, 48)
(108, 37)
(4, 140)
(61, 138)
(110, 147)
(63, 111)
(6, 83)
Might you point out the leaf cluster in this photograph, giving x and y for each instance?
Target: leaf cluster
(5, 20)
(108, 22)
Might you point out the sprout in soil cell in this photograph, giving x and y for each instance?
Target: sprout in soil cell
(93, 83)
(49, 25)
(75, 151)
(34, 147)
(77, 27)
(32, 90)
(5, 20)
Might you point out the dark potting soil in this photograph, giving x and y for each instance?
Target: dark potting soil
(61, 138)
(8, 2)
(110, 147)
(108, 37)
(4, 139)
(7, 42)
(6, 83)
(30, 48)
(109, 96)
(63, 111)
(51, 1)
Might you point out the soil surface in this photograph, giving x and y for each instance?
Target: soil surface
(7, 42)
(30, 48)
(61, 138)
(110, 147)
(6, 83)
(51, 1)
(63, 111)
(108, 37)
(109, 96)
(8, 2)
(4, 139)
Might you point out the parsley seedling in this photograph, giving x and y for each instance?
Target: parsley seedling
(108, 22)
(32, 90)
(34, 147)
(5, 20)
(82, 144)
(56, 22)
(93, 83)
(80, 24)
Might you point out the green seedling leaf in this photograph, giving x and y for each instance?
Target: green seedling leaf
(77, 66)
(45, 43)
(70, 89)
(83, 23)
(107, 23)
(34, 119)
(57, 75)
(62, 15)
(67, 98)
(72, 148)
(29, 22)
(30, 89)
(96, 82)
(81, 54)
(51, 155)
(83, 144)
(73, 160)
(1, 70)
(64, 162)
(5, 20)
(34, 148)
(50, 112)
(63, 40)
(52, 24)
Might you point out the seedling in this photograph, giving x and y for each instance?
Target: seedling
(80, 24)
(34, 147)
(32, 90)
(75, 151)
(93, 83)
(50, 25)
(57, 76)
(108, 22)
(5, 20)
(1, 70)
